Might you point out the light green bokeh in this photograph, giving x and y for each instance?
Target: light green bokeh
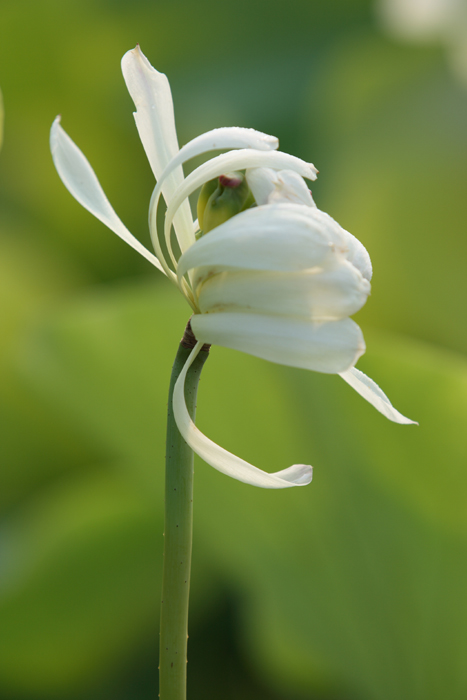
(352, 587)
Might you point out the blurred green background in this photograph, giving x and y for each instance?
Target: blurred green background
(351, 589)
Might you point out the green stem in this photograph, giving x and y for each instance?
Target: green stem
(178, 532)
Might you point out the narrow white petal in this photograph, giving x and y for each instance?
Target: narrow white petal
(81, 181)
(233, 160)
(150, 91)
(323, 346)
(154, 116)
(225, 137)
(282, 237)
(370, 391)
(222, 460)
(318, 293)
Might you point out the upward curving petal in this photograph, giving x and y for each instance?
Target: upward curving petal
(81, 181)
(154, 117)
(370, 391)
(222, 460)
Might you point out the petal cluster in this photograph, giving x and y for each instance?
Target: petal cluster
(278, 281)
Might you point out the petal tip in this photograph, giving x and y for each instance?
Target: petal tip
(54, 133)
(305, 475)
(134, 55)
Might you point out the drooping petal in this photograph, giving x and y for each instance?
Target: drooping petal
(233, 160)
(222, 460)
(322, 346)
(370, 391)
(81, 181)
(282, 237)
(337, 292)
(269, 186)
(154, 117)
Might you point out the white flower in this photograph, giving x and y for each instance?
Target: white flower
(278, 281)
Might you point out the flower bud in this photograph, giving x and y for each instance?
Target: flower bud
(222, 198)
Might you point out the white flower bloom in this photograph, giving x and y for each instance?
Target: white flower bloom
(278, 281)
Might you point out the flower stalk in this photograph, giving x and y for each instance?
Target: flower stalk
(178, 532)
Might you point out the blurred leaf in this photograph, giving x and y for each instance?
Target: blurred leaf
(2, 118)
(36, 443)
(353, 582)
(81, 569)
(349, 584)
(392, 151)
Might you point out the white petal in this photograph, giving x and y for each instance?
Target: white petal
(261, 182)
(370, 391)
(222, 460)
(80, 179)
(358, 255)
(326, 346)
(233, 160)
(316, 294)
(282, 237)
(154, 116)
(226, 137)
(270, 186)
(150, 91)
(350, 246)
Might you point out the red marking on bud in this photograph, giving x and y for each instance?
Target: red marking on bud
(231, 182)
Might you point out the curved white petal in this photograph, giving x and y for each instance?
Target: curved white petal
(319, 293)
(154, 117)
(282, 237)
(81, 181)
(270, 186)
(222, 460)
(353, 250)
(150, 91)
(225, 137)
(323, 346)
(233, 160)
(358, 255)
(261, 182)
(370, 391)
